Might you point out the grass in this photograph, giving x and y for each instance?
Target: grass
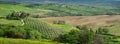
(23, 41)
(12, 22)
(65, 27)
(54, 9)
(118, 39)
(74, 9)
(114, 42)
(115, 30)
(6, 9)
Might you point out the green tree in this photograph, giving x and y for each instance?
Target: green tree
(84, 27)
(59, 22)
(17, 15)
(102, 31)
(71, 37)
(33, 34)
(77, 37)
(84, 36)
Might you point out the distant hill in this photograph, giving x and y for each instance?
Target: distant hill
(55, 10)
(100, 3)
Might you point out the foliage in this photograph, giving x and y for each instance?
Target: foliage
(38, 16)
(59, 22)
(71, 37)
(11, 31)
(84, 27)
(76, 37)
(102, 31)
(17, 15)
(84, 36)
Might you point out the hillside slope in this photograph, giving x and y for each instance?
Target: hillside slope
(6, 9)
(48, 31)
(93, 21)
(56, 10)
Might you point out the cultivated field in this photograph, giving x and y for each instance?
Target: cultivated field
(93, 21)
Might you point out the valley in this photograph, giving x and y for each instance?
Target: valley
(59, 22)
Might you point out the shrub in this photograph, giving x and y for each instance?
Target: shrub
(102, 31)
(71, 37)
(84, 27)
(9, 34)
(59, 22)
(17, 15)
(1, 32)
(11, 31)
(76, 37)
(33, 34)
(84, 36)
(38, 16)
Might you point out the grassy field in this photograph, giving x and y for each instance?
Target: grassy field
(23, 41)
(12, 22)
(53, 10)
(115, 29)
(93, 21)
(6, 9)
(67, 28)
(72, 9)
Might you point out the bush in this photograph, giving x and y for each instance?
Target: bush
(11, 31)
(1, 32)
(17, 15)
(38, 16)
(84, 36)
(76, 37)
(33, 34)
(102, 31)
(84, 27)
(71, 37)
(59, 22)
(12, 34)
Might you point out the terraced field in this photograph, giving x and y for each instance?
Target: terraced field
(44, 28)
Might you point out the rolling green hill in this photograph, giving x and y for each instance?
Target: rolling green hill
(6, 9)
(54, 10)
(72, 10)
(45, 32)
